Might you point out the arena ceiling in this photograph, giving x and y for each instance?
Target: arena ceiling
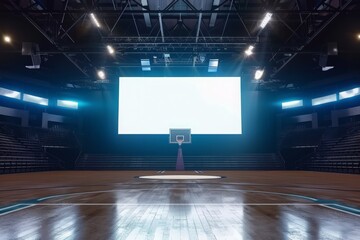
(180, 34)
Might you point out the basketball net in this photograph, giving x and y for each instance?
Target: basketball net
(180, 141)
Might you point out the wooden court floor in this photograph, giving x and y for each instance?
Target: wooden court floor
(117, 205)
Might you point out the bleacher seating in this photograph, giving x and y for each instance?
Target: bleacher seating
(340, 154)
(302, 138)
(245, 162)
(23, 149)
(333, 149)
(20, 155)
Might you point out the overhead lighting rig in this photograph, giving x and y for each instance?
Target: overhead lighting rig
(94, 20)
(249, 50)
(266, 20)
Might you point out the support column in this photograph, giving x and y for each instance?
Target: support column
(334, 119)
(180, 160)
(314, 121)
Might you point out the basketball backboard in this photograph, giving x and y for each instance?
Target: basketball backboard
(180, 135)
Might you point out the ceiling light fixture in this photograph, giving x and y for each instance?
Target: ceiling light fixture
(7, 39)
(101, 74)
(292, 104)
(266, 20)
(249, 51)
(145, 64)
(95, 21)
(213, 65)
(258, 74)
(110, 49)
(347, 94)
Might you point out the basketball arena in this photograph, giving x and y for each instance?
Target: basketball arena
(178, 119)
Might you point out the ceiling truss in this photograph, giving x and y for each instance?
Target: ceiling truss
(182, 28)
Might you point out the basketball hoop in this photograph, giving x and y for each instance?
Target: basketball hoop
(180, 136)
(180, 139)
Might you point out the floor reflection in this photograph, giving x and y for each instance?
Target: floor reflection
(65, 223)
(24, 227)
(177, 211)
(296, 226)
(176, 217)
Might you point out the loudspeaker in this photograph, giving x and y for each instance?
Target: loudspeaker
(323, 60)
(31, 49)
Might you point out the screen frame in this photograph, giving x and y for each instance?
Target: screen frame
(194, 134)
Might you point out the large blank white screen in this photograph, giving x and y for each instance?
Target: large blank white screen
(153, 105)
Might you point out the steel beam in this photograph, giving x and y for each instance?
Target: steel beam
(288, 27)
(170, 5)
(117, 20)
(241, 20)
(136, 26)
(145, 6)
(63, 17)
(73, 25)
(49, 38)
(198, 28)
(161, 28)
(180, 40)
(298, 6)
(194, 12)
(227, 18)
(213, 16)
(323, 26)
(190, 5)
(114, 4)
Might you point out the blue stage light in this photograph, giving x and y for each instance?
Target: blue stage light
(9, 93)
(213, 65)
(349, 93)
(145, 64)
(35, 99)
(324, 99)
(67, 104)
(292, 104)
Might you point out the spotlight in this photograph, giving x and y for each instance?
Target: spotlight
(292, 104)
(145, 64)
(68, 104)
(266, 20)
(345, 94)
(259, 74)
(95, 21)
(249, 51)
(101, 74)
(7, 39)
(213, 65)
(358, 36)
(110, 49)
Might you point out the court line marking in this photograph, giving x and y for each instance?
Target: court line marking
(177, 204)
(340, 207)
(337, 209)
(16, 209)
(11, 206)
(160, 189)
